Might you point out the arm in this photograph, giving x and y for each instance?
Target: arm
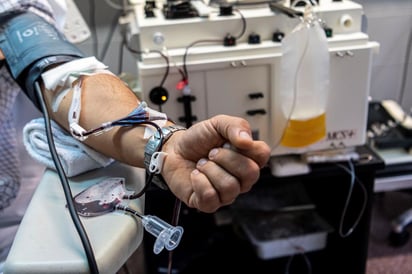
(198, 170)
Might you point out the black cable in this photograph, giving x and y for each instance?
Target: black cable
(185, 73)
(153, 51)
(149, 175)
(242, 17)
(242, 32)
(65, 184)
(129, 210)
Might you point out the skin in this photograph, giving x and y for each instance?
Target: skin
(199, 169)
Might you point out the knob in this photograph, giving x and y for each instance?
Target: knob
(346, 21)
(158, 38)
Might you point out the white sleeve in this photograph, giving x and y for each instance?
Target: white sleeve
(59, 10)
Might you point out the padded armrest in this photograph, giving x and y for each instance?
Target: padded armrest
(47, 240)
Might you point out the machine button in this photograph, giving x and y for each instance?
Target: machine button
(278, 36)
(158, 38)
(256, 95)
(254, 38)
(225, 10)
(254, 112)
(229, 41)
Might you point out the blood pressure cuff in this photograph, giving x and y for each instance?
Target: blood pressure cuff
(30, 45)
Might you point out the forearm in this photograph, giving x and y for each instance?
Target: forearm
(105, 98)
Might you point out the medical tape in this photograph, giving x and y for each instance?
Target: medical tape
(76, 105)
(80, 133)
(159, 118)
(74, 112)
(60, 79)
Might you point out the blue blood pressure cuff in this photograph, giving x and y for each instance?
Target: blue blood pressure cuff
(30, 45)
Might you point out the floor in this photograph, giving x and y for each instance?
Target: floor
(383, 258)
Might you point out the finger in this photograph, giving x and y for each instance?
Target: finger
(226, 185)
(204, 196)
(237, 131)
(234, 129)
(258, 152)
(245, 170)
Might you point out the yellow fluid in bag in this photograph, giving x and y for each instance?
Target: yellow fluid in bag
(300, 133)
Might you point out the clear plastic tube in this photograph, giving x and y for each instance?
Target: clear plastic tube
(106, 196)
(167, 236)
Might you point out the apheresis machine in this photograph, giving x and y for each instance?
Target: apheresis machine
(298, 71)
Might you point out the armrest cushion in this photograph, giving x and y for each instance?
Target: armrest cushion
(47, 241)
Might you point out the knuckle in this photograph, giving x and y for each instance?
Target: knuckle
(207, 201)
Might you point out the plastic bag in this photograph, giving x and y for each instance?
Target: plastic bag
(305, 83)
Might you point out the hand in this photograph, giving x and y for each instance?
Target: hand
(204, 172)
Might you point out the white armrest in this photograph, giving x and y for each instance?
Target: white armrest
(47, 241)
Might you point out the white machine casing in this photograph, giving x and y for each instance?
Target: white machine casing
(244, 79)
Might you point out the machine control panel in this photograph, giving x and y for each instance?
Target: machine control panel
(182, 22)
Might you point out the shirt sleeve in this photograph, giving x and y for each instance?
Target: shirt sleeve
(40, 7)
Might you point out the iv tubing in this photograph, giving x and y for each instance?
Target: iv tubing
(167, 236)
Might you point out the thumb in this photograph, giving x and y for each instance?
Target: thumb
(236, 130)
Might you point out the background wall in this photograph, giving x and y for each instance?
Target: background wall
(103, 15)
(389, 22)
